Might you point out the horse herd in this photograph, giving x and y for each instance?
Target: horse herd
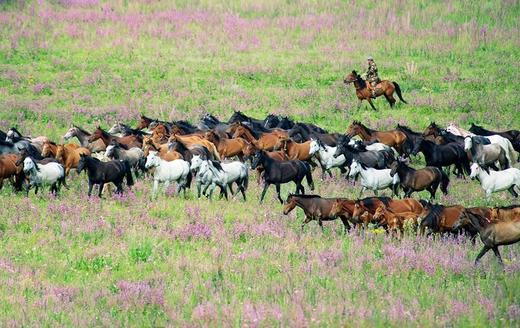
(214, 153)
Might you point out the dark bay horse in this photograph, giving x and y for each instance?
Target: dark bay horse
(315, 208)
(428, 178)
(443, 219)
(444, 155)
(383, 88)
(279, 172)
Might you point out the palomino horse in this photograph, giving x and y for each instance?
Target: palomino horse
(130, 141)
(393, 138)
(363, 92)
(227, 147)
(70, 156)
(315, 208)
(492, 233)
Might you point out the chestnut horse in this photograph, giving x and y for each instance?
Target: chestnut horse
(164, 151)
(394, 221)
(296, 150)
(227, 147)
(383, 88)
(441, 219)
(10, 169)
(265, 141)
(393, 138)
(130, 141)
(70, 155)
(508, 213)
(50, 148)
(397, 206)
(315, 208)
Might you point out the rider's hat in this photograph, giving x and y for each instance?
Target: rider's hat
(370, 58)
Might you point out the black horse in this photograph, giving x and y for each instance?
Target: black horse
(300, 133)
(279, 172)
(370, 158)
(444, 155)
(412, 138)
(103, 172)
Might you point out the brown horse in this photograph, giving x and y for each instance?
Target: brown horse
(315, 208)
(442, 219)
(130, 141)
(227, 147)
(392, 138)
(50, 148)
(164, 150)
(9, 170)
(492, 233)
(160, 133)
(192, 140)
(428, 178)
(508, 213)
(394, 221)
(344, 207)
(397, 206)
(296, 150)
(70, 155)
(364, 90)
(265, 141)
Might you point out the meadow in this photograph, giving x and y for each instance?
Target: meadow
(129, 261)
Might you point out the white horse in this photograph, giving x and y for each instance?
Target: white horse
(212, 173)
(175, 171)
(326, 157)
(493, 181)
(50, 174)
(374, 179)
(357, 144)
(494, 139)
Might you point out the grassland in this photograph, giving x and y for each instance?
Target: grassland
(127, 261)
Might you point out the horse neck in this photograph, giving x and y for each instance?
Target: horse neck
(358, 84)
(365, 132)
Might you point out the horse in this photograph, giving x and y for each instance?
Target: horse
(301, 133)
(144, 122)
(375, 159)
(512, 135)
(494, 181)
(361, 145)
(177, 170)
(49, 149)
(119, 151)
(130, 141)
(83, 137)
(315, 208)
(507, 213)
(166, 151)
(325, 156)
(227, 147)
(371, 204)
(492, 233)
(10, 169)
(443, 155)
(40, 175)
(265, 141)
(14, 144)
(384, 87)
(249, 152)
(412, 139)
(393, 138)
(69, 155)
(494, 139)
(101, 173)
(239, 117)
(374, 179)
(442, 219)
(8, 148)
(428, 178)
(213, 173)
(123, 130)
(192, 141)
(13, 135)
(278, 172)
(296, 150)
(394, 221)
(485, 155)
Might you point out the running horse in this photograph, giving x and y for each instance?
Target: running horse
(383, 88)
(392, 138)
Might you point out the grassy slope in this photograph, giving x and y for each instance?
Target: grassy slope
(67, 261)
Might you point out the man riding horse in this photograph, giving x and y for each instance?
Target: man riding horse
(371, 75)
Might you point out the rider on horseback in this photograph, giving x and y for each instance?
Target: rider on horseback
(371, 75)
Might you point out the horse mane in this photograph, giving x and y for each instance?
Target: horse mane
(369, 202)
(52, 143)
(6, 143)
(15, 130)
(362, 83)
(363, 126)
(104, 133)
(304, 196)
(34, 162)
(217, 165)
(184, 124)
(81, 129)
(433, 217)
(404, 128)
(510, 207)
(118, 144)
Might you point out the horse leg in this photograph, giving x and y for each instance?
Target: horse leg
(346, 224)
(199, 187)
(482, 252)
(359, 103)
(90, 186)
(391, 100)
(512, 191)
(497, 254)
(371, 104)
(266, 185)
(101, 185)
(166, 186)
(278, 193)
(361, 192)
(320, 223)
(307, 220)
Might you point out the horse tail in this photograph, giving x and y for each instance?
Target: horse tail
(246, 180)
(398, 91)
(128, 172)
(445, 181)
(308, 175)
(465, 162)
(512, 153)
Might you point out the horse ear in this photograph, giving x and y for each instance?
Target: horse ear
(354, 72)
